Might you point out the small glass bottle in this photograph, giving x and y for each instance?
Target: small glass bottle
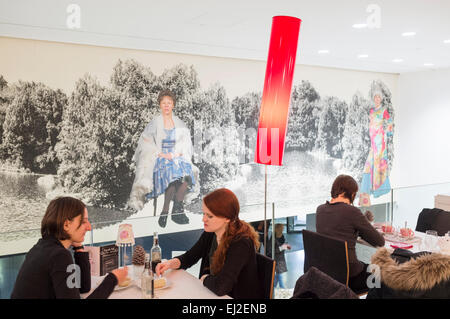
(155, 252)
(147, 280)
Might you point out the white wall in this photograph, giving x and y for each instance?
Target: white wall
(422, 144)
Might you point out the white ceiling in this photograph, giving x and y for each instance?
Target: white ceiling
(241, 28)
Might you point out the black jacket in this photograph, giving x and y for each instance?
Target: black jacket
(318, 285)
(238, 277)
(47, 273)
(423, 276)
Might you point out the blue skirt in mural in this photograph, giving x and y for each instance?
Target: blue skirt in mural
(167, 171)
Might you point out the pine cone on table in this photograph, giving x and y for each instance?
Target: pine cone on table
(138, 255)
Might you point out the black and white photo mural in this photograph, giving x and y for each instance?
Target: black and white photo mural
(84, 143)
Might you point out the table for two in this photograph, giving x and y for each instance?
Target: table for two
(181, 285)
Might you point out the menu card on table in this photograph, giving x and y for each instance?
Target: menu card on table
(103, 259)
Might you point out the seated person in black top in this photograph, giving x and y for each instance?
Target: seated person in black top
(338, 218)
(227, 248)
(49, 271)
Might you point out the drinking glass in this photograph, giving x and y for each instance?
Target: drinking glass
(430, 241)
(431, 232)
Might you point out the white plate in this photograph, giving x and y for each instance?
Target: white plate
(117, 287)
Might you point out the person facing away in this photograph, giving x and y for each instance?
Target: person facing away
(338, 218)
(227, 249)
(280, 247)
(49, 271)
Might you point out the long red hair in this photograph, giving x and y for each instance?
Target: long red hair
(223, 203)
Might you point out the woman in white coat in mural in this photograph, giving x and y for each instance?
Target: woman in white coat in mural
(163, 163)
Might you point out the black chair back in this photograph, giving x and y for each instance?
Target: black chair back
(328, 254)
(266, 274)
(433, 219)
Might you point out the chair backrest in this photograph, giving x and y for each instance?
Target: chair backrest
(442, 225)
(328, 254)
(266, 274)
(433, 219)
(426, 219)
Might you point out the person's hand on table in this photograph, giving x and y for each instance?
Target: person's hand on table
(173, 263)
(121, 274)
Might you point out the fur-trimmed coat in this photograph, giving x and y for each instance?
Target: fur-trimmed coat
(427, 276)
(149, 146)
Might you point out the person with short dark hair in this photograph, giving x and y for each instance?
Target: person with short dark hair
(163, 164)
(227, 249)
(49, 270)
(338, 218)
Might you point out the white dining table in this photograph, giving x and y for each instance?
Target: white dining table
(181, 285)
(364, 250)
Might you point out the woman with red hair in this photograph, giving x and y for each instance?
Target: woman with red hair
(227, 248)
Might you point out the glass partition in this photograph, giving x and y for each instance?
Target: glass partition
(408, 202)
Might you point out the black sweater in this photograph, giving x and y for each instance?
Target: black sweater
(346, 222)
(47, 273)
(238, 277)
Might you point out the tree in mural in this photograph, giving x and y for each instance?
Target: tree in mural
(4, 101)
(356, 139)
(246, 109)
(31, 127)
(138, 89)
(246, 114)
(219, 142)
(331, 126)
(304, 117)
(89, 144)
(3, 83)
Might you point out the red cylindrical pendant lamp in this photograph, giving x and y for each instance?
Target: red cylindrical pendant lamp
(274, 112)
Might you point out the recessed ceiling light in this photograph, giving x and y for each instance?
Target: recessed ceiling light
(428, 64)
(359, 25)
(408, 34)
(363, 56)
(397, 60)
(323, 51)
(447, 41)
